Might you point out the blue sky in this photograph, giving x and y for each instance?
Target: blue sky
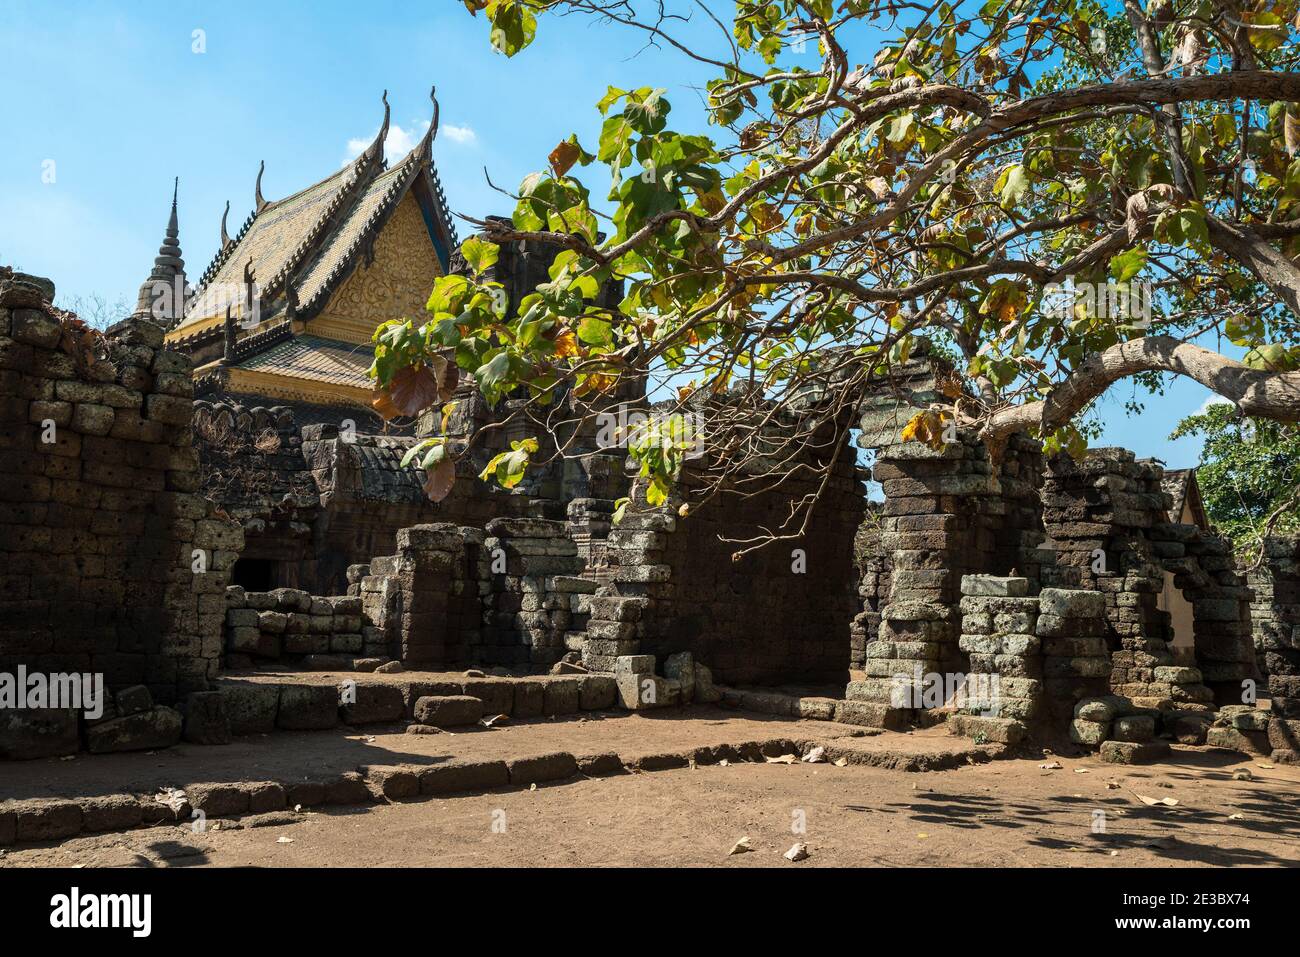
(115, 96)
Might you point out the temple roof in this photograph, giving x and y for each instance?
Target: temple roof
(310, 357)
(1181, 486)
(299, 249)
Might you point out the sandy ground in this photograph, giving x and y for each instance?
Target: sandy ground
(1008, 813)
(291, 756)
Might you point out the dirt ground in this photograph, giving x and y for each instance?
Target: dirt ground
(1006, 813)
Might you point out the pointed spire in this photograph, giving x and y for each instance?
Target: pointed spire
(162, 295)
(225, 236)
(261, 203)
(375, 152)
(426, 144)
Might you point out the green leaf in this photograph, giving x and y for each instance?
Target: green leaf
(479, 254)
(513, 25)
(1127, 264)
(1013, 184)
(595, 331)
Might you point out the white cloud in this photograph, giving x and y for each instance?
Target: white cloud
(1212, 400)
(397, 143)
(401, 140)
(458, 134)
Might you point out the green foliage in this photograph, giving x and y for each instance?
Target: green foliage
(923, 185)
(1250, 468)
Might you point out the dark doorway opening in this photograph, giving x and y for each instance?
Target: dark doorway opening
(254, 574)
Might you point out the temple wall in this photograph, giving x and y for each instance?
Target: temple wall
(112, 562)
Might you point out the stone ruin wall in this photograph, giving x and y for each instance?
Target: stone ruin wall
(102, 528)
(778, 614)
(314, 498)
(1276, 583)
(1108, 519)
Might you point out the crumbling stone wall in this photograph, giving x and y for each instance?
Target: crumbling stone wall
(1275, 609)
(291, 625)
(426, 599)
(1107, 516)
(1276, 584)
(316, 498)
(780, 613)
(537, 608)
(949, 511)
(875, 569)
(112, 560)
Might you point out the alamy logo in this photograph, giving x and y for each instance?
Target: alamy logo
(934, 690)
(1110, 300)
(78, 692)
(76, 910)
(637, 430)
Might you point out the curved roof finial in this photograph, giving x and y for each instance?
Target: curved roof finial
(225, 236)
(261, 203)
(376, 151)
(426, 144)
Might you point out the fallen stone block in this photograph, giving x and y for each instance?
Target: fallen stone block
(374, 704)
(1249, 742)
(542, 768)
(393, 783)
(159, 727)
(634, 665)
(308, 707)
(1188, 728)
(497, 694)
(1133, 752)
(205, 718)
(265, 796)
(658, 762)
(111, 812)
(1091, 734)
(463, 776)
(133, 700)
(347, 788)
(597, 693)
(600, 765)
(305, 793)
(250, 708)
(448, 711)
(681, 668)
(872, 714)
(529, 697)
(30, 733)
(561, 695)
(218, 799)
(981, 729)
(47, 820)
(815, 709)
(1102, 710)
(1284, 735)
(1134, 727)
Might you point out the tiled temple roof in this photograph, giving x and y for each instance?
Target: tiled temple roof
(272, 240)
(1180, 484)
(310, 357)
(311, 241)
